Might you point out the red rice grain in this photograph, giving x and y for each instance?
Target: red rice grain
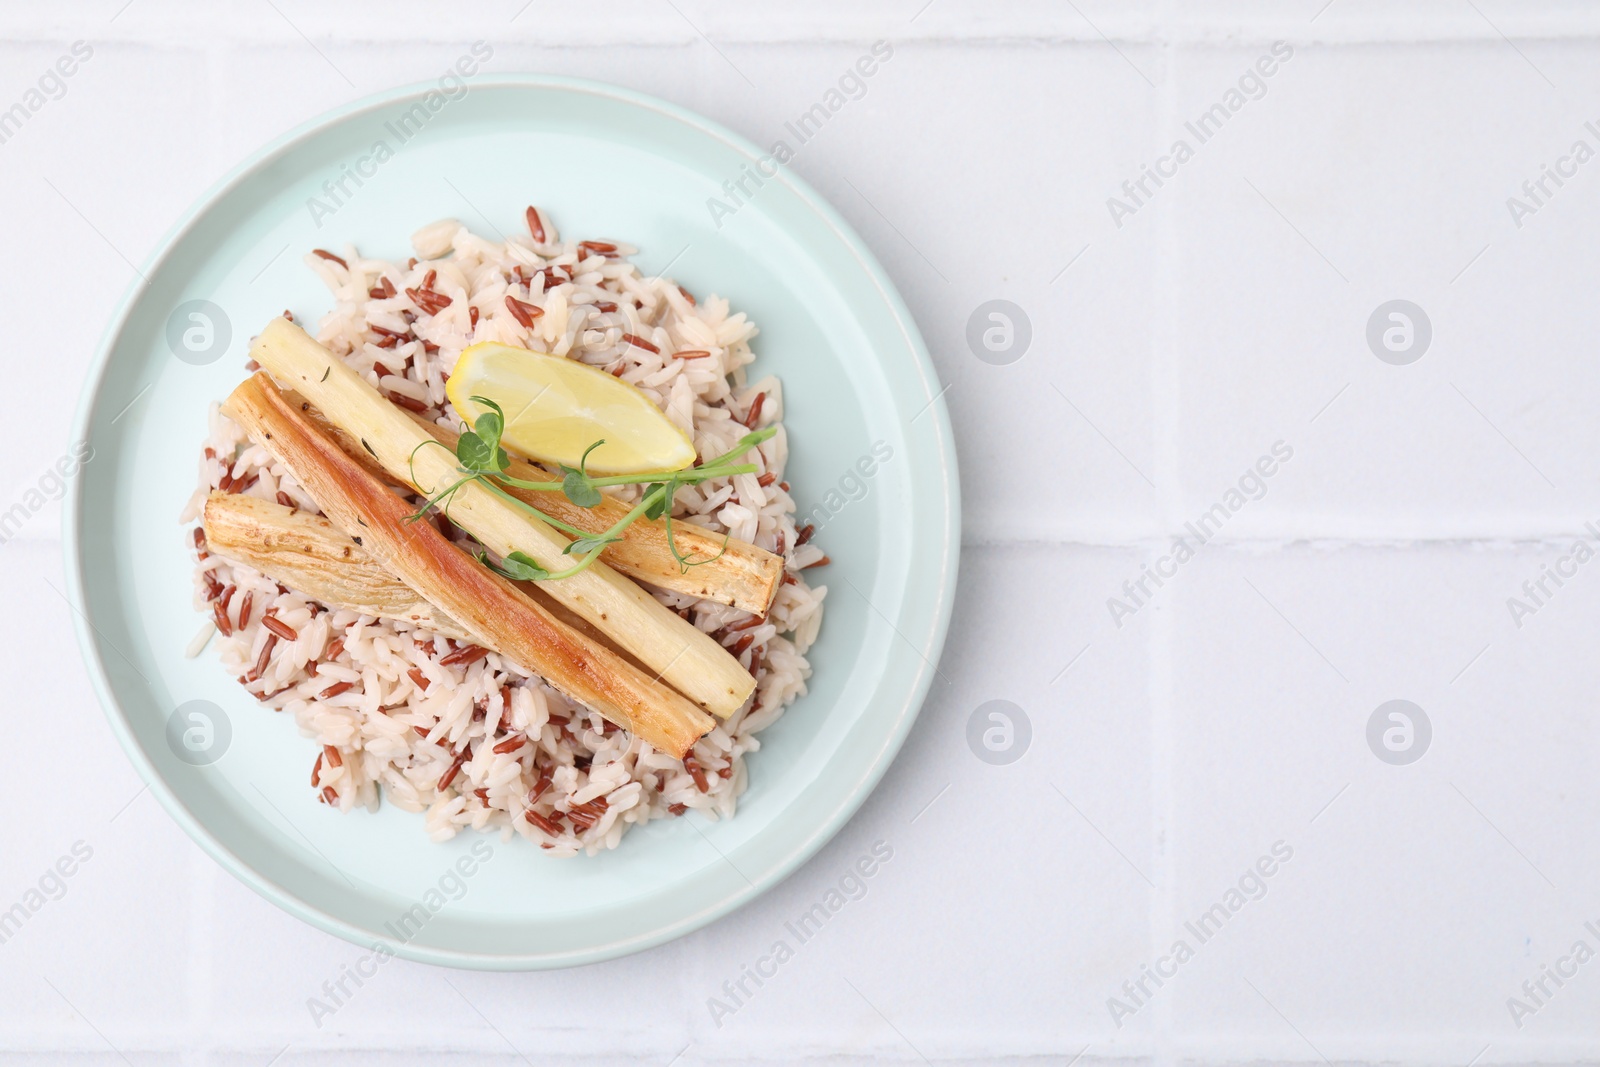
(596, 807)
(330, 257)
(463, 656)
(428, 300)
(279, 627)
(410, 403)
(455, 769)
(696, 772)
(261, 661)
(754, 414)
(542, 823)
(522, 312)
(539, 787)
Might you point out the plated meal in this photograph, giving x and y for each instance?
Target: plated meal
(509, 536)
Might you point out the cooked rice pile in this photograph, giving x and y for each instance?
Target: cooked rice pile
(440, 727)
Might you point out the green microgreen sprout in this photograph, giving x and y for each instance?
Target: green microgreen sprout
(480, 459)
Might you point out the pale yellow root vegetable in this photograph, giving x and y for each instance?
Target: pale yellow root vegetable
(311, 555)
(487, 606)
(742, 576)
(687, 659)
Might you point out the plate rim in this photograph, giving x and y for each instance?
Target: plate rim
(948, 550)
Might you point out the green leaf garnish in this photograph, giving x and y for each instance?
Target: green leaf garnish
(576, 483)
(492, 423)
(518, 566)
(481, 459)
(584, 545)
(659, 501)
(474, 452)
(479, 448)
(579, 488)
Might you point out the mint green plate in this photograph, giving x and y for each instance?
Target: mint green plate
(604, 162)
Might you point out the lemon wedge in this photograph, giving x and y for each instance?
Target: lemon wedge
(555, 408)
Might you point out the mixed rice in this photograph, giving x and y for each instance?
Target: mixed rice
(450, 729)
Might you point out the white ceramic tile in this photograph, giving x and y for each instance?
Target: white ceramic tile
(1077, 399)
(91, 188)
(1442, 883)
(1287, 253)
(101, 875)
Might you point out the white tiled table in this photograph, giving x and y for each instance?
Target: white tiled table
(1226, 715)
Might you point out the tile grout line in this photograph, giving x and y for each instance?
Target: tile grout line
(1166, 407)
(1051, 30)
(200, 916)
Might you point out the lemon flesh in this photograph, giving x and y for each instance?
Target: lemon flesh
(555, 408)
